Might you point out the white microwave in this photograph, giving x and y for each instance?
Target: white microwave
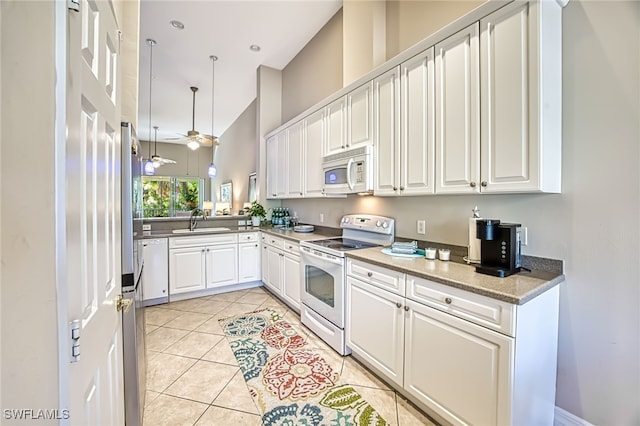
(348, 172)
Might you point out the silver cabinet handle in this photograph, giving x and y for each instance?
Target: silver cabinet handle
(257, 245)
(472, 184)
(448, 300)
(369, 274)
(483, 183)
(406, 308)
(399, 305)
(395, 188)
(402, 188)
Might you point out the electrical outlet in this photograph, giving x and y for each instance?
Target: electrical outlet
(321, 217)
(242, 222)
(421, 226)
(146, 227)
(525, 236)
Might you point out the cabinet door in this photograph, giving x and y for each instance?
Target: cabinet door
(418, 129)
(293, 166)
(186, 269)
(336, 128)
(281, 164)
(458, 113)
(291, 280)
(155, 275)
(272, 167)
(313, 152)
(359, 116)
(460, 370)
(521, 92)
(386, 132)
(264, 263)
(222, 265)
(375, 327)
(248, 262)
(274, 272)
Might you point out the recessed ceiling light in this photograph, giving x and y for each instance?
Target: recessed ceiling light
(254, 48)
(176, 24)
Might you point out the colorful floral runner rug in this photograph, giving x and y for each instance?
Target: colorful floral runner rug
(290, 384)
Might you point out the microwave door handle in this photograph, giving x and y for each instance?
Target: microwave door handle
(349, 164)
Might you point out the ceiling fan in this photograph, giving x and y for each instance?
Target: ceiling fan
(155, 158)
(194, 138)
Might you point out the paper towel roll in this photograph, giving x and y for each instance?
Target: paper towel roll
(473, 255)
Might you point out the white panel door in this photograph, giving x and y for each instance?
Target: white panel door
(359, 116)
(418, 125)
(313, 151)
(459, 369)
(386, 132)
(264, 263)
(336, 127)
(458, 113)
(509, 152)
(92, 209)
(375, 327)
(186, 269)
(281, 164)
(293, 167)
(222, 265)
(249, 262)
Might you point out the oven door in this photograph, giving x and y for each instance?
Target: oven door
(323, 284)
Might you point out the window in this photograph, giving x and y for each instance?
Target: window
(166, 196)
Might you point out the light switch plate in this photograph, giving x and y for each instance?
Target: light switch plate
(421, 226)
(146, 227)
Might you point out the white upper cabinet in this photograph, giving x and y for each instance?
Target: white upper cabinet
(335, 125)
(359, 116)
(272, 166)
(521, 92)
(293, 166)
(417, 130)
(458, 113)
(386, 132)
(313, 149)
(281, 164)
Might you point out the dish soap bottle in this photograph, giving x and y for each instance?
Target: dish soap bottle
(473, 254)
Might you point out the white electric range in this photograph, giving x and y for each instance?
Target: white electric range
(323, 269)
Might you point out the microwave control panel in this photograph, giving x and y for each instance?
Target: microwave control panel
(359, 177)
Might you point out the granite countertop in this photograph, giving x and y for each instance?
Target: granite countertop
(516, 289)
(295, 236)
(287, 234)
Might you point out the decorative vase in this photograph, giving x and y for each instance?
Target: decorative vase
(255, 220)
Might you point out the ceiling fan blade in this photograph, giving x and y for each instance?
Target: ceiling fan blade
(162, 161)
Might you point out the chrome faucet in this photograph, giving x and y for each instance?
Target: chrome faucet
(193, 218)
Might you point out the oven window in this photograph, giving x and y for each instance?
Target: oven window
(319, 284)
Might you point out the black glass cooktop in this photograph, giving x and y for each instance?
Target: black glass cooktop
(342, 244)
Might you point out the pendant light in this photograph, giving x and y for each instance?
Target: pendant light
(155, 158)
(149, 168)
(213, 170)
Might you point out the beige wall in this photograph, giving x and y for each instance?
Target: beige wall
(316, 72)
(130, 60)
(593, 225)
(188, 163)
(363, 37)
(408, 22)
(236, 156)
(29, 352)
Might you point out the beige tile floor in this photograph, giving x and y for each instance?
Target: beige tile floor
(193, 378)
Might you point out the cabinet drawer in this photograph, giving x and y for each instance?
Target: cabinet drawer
(203, 240)
(247, 237)
(384, 278)
(481, 310)
(275, 242)
(292, 247)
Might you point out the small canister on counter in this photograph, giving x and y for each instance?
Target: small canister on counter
(430, 253)
(444, 254)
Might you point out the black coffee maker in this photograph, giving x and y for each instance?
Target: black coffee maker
(499, 247)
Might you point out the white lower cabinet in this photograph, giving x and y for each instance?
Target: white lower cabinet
(198, 263)
(275, 262)
(249, 268)
(375, 329)
(459, 369)
(281, 268)
(466, 358)
(291, 274)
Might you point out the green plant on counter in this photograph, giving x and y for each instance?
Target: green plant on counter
(256, 210)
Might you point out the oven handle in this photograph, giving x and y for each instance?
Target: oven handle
(349, 163)
(332, 259)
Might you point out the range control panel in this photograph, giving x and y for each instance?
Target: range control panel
(367, 222)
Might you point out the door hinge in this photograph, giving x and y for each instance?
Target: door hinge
(74, 332)
(73, 5)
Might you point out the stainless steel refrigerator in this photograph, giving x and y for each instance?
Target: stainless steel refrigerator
(133, 332)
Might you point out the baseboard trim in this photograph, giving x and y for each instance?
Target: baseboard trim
(565, 418)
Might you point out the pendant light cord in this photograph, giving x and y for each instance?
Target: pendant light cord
(213, 75)
(151, 43)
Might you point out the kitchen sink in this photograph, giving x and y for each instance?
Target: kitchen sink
(199, 230)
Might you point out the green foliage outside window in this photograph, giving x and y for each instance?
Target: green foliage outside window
(166, 196)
